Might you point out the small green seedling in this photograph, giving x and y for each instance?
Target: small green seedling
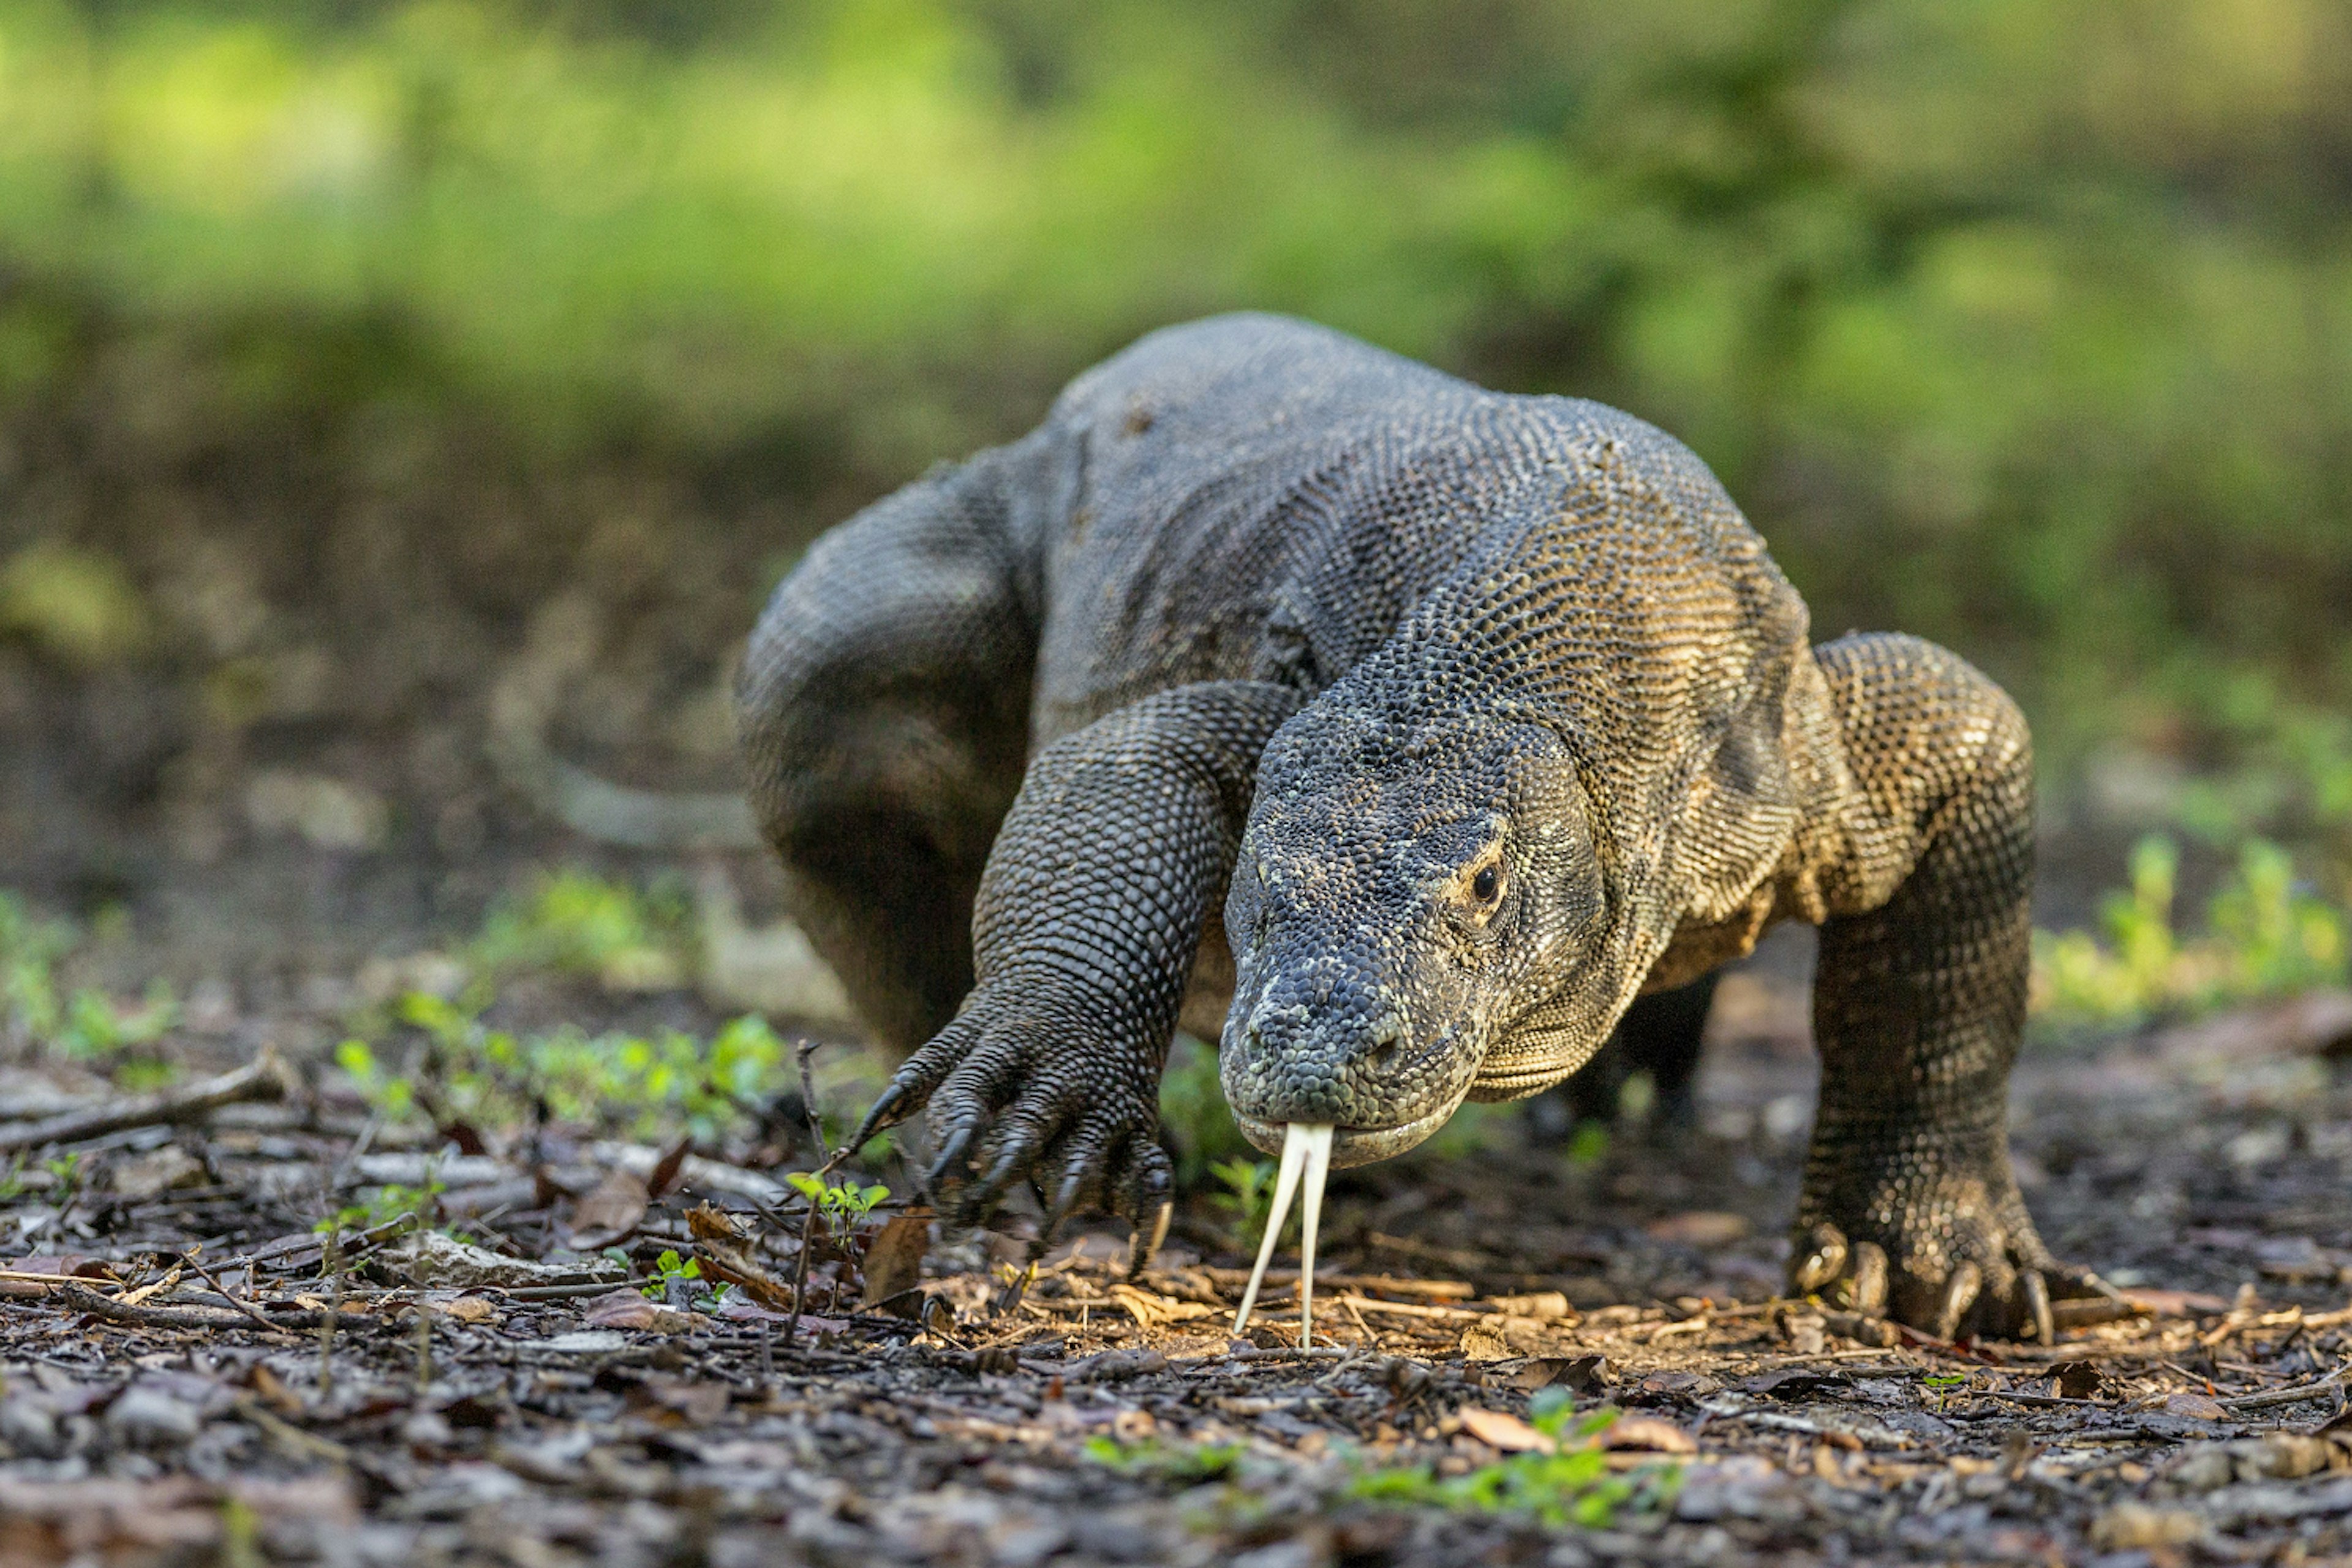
(64, 1172)
(1183, 1464)
(670, 1265)
(842, 1206)
(1249, 1195)
(1572, 1486)
(390, 1095)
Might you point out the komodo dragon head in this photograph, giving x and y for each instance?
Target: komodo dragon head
(1410, 893)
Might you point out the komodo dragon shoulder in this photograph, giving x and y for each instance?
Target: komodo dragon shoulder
(1411, 732)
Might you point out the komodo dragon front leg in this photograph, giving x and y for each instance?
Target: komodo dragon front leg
(1919, 1002)
(1090, 914)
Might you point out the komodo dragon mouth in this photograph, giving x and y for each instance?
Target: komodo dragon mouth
(1350, 1145)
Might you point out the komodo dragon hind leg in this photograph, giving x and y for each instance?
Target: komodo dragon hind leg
(1909, 1204)
(884, 712)
(1660, 1035)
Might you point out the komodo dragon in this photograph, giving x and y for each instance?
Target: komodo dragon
(1410, 732)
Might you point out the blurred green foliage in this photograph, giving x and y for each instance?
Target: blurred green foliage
(1571, 1484)
(39, 1010)
(2024, 325)
(2266, 934)
(572, 923)
(1192, 1108)
(644, 1086)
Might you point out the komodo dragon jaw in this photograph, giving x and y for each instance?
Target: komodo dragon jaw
(1406, 886)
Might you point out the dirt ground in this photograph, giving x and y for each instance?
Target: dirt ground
(172, 1393)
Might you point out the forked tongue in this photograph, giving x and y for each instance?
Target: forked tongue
(1306, 1146)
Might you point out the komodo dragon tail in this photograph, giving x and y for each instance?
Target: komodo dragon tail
(523, 703)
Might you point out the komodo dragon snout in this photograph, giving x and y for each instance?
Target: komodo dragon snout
(1405, 890)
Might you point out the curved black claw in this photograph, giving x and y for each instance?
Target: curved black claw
(2037, 1306)
(1823, 1261)
(1962, 1288)
(948, 1162)
(888, 1110)
(1032, 1083)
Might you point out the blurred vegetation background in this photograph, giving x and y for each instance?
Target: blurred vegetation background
(339, 338)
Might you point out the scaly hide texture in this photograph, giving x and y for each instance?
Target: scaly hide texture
(1401, 734)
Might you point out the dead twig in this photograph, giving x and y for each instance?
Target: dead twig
(189, 1258)
(1415, 1309)
(808, 1226)
(2044, 1401)
(1439, 1289)
(289, 1437)
(331, 1260)
(84, 1299)
(2300, 1392)
(264, 1078)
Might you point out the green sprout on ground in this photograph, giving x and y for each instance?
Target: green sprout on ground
(1180, 1464)
(670, 1265)
(65, 1174)
(1573, 1485)
(84, 1025)
(1248, 1197)
(389, 1203)
(841, 1205)
(636, 1085)
(392, 1096)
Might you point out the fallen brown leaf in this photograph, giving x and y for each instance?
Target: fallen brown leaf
(1505, 1432)
(611, 1212)
(894, 1260)
(1648, 1434)
(663, 1175)
(2077, 1379)
(726, 1256)
(1699, 1228)
(626, 1308)
(1578, 1374)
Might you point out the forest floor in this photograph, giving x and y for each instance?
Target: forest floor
(195, 1373)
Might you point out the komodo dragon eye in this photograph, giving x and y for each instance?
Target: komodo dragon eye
(1487, 884)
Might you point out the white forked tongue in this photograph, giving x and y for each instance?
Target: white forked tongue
(1305, 1145)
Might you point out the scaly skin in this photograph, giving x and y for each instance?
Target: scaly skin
(1473, 717)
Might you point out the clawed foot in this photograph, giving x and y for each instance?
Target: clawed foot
(1023, 1089)
(1950, 1252)
(2030, 1300)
